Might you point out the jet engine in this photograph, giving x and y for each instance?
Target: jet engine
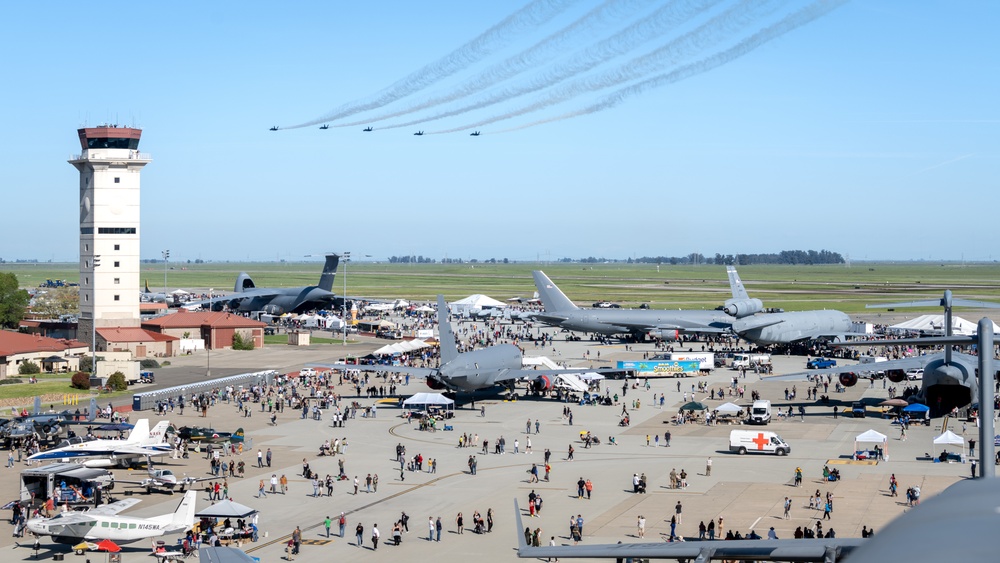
(541, 383)
(740, 308)
(895, 375)
(274, 309)
(218, 306)
(849, 379)
(434, 383)
(666, 335)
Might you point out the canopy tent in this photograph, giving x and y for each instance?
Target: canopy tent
(226, 509)
(872, 437)
(949, 438)
(590, 376)
(934, 325)
(728, 408)
(917, 407)
(423, 309)
(424, 401)
(475, 302)
(401, 347)
(179, 292)
(693, 406)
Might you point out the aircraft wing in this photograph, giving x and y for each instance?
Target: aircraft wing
(509, 374)
(902, 363)
(422, 372)
(251, 294)
(647, 327)
(114, 507)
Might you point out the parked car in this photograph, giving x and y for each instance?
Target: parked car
(821, 363)
(914, 374)
(858, 409)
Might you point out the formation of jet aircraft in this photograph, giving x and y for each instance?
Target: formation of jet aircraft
(103, 522)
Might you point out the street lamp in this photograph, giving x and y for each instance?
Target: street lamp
(345, 257)
(93, 316)
(166, 255)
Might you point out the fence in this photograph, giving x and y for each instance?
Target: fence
(145, 401)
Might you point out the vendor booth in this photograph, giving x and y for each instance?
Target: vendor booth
(878, 451)
(949, 438)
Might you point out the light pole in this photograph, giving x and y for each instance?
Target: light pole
(345, 257)
(166, 255)
(93, 317)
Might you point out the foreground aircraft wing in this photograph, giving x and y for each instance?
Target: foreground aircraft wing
(651, 327)
(510, 374)
(114, 507)
(903, 364)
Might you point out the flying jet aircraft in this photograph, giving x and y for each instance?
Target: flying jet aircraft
(666, 325)
(278, 300)
(103, 522)
(781, 328)
(275, 128)
(369, 128)
(471, 371)
(141, 442)
(474, 134)
(164, 479)
(419, 133)
(949, 378)
(324, 126)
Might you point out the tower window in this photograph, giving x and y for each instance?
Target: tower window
(118, 247)
(117, 180)
(86, 281)
(116, 298)
(117, 264)
(86, 297)
(86, 248)
(117, 280)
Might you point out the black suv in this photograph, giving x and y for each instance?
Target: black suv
(858, 409)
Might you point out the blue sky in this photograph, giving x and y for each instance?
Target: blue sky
(873, 131)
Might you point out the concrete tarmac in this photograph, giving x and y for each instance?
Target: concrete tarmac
(746, 492)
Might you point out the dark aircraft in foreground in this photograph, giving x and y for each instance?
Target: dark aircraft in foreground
(275, 128)
(950, 378)
(278, 300)
(419, 133)
(369, 128)
(324, 126)
(666, 325)
(474, 134)
(475, 370)
(208, 435)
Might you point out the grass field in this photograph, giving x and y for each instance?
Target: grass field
(789, 287)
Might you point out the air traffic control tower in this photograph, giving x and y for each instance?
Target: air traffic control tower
(109, 165)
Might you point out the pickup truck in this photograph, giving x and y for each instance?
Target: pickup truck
(821, 363)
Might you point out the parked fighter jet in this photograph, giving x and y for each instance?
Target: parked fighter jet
(324, 126)
(275, 128)
(474, 134)
(471, 371)
(164, 479)
(278, 300)
(666, 325)
(369, 128)
(949, 378)
(784, 327)
(103, 522)
(141, 442)
(419, 133)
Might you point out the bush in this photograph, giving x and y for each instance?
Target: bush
(116, 381)
(11, 380)
(80, 380)
(149, 363)
(240, 343)
(28, 368)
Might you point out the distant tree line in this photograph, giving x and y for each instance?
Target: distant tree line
(790, 257)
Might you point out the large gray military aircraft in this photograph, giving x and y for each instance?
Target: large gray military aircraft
(784, 327)
(666, 325)
(949, 378)
(247, 296)
(471, 371)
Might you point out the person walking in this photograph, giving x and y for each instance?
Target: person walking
(375, 537)
(342, 522)
(260, 490)
(326, 524)
(641, 527)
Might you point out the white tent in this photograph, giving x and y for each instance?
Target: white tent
(179, 292)
(728, 408)
(423, 309)
(591, 376)
(401, 347)
(422, 401)
(934, 324)
(872, 437)
(475, 302)
(949, 438)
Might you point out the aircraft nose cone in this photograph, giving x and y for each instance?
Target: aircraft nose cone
(35, 525)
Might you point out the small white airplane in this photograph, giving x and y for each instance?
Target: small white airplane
(141, 442)
(103, 522)
(164, 479)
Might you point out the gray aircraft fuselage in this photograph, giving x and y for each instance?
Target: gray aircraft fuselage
(478, 369)
(626, 321)
(290, 300)
(794, 326)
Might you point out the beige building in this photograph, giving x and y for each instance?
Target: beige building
(216, 329)
(51, 354)
(139, 342)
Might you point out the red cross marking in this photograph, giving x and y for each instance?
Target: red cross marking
(760, 440)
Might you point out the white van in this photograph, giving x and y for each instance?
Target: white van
(743, 441)
(872, 360)
(760, 412)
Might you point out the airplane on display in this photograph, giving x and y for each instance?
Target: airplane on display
(164, 479)
(949, 377)
(103, 522)
(148, 296)
(474, 134)
(367, 129)
(419, 133)
(559, 311)
(207, 435)
(141, 442)
(275, 128)
(785, 327)
(278, 300)
(471, 371)
(324, 126)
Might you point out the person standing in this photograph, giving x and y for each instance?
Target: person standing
(268, 457)
(437, 528)
(260, 458)
(296, 540)
(430, 528)
(677, 511)
(326, 524)
(589, 486)
(788, 508)
(342, 522)
(460, 523)
(641, 527)
(375, 536)
(708, 467)
(359, 533)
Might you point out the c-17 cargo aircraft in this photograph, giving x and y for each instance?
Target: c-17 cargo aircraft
(103, 522)
(278, 300)
(666, 325)
(471, 371)
(784, 327)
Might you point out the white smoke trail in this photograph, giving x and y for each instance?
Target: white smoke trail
(789, 23)
(647, 29)
(527, 18)
(538, 54)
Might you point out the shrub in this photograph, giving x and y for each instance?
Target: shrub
(11, 380)
(28, 368)
(116, 381)
(240, 343)
(80, 380)
(149, 363)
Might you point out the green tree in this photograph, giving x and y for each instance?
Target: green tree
(57, 302)
(242, 343)
(116, 381)
(28, 368)
(13, 301)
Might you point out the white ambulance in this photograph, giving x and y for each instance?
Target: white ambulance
(762, 441)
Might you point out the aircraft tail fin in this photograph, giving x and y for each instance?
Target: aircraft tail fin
(147, 287)
(449, 348)
(140, 432)
(182, 518)
(92, 413)
(553, 299)
(329, 272)
(243, 283)
(736, 284)
(37, 407)
(157, 435)
(239, 435)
